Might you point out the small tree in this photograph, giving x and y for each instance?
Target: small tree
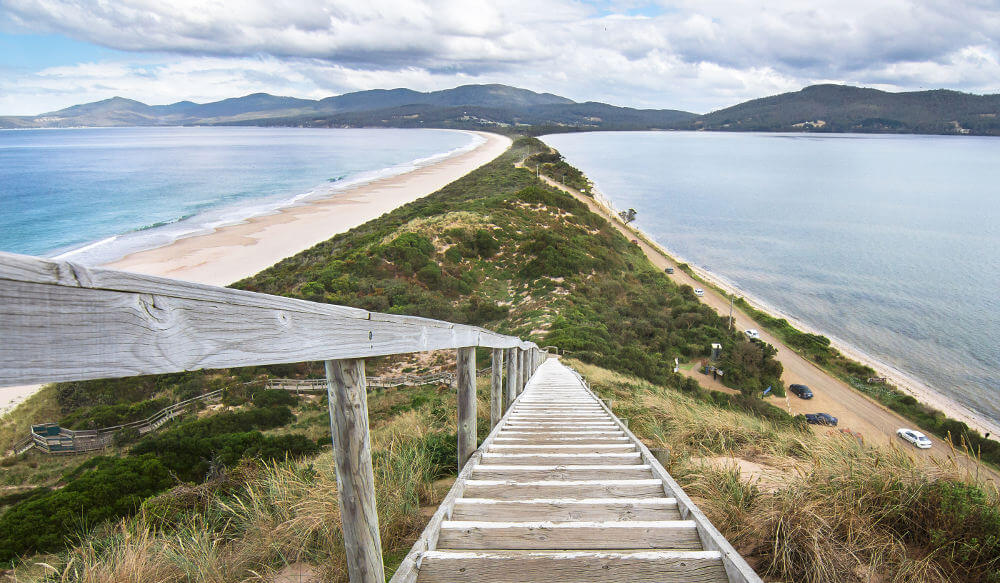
(628, 216)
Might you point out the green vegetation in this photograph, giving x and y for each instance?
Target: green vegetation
(803, 507)
(840, 108)
(101, 489)
(499, 248)
(551, 164)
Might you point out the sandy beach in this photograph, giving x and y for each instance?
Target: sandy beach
(233, 252)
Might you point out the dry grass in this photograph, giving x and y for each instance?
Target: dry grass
(843, 512)
(279, 514)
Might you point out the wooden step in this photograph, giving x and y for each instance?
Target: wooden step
(559, 459)
(534, 473)
(515, 490)
(543, 439)
(563, 448)
(565, 510)
(665, 534)
(572, 567)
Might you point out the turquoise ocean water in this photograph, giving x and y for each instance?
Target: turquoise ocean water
(888, 244)
(94, 195)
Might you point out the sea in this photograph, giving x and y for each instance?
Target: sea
(94, 195)
(888, 244)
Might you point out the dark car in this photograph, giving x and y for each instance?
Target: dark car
(670, 270)
(801, 390)
(821, 419)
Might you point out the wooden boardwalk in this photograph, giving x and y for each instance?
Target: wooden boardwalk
(562, 491)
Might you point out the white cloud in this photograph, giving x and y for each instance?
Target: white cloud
(690, 54)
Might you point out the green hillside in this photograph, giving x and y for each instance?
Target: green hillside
(841, 108)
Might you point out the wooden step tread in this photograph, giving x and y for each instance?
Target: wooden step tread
(577, 567)
(514, 490)
(566, 509)
(541, 459)
(554, 472)
(666, 534)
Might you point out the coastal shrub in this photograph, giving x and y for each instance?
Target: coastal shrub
(99, 416)
(274, 398)
(103, 488)
(408, 252)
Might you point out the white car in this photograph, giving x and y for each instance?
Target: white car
(915, 437)
(752, 334)
(699, 292)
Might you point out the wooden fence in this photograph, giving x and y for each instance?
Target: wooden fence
(60, 321)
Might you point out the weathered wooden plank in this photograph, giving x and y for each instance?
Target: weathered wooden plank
(510, 359)
(542, 439)
(559, 459)
(496, 386)
(348, 400)
(673, 534)
(564, 509)
(65, 322)
(466, 404)
(563, 448)
(508, 490)
(572, 567)
(520, 372)
(581, 472)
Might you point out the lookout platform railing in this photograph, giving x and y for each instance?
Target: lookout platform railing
(60, 321)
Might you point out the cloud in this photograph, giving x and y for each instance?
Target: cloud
(691, 54)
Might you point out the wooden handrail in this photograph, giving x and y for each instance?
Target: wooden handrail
(65, 322)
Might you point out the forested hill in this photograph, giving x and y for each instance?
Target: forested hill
(469, 106)
(840, 108)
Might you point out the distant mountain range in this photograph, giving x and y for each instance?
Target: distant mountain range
(820, 108)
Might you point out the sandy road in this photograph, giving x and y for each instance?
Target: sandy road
(856, 411)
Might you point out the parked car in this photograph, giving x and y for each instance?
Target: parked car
(670, 270)
(699, 292)
(752, 334)
(821, 419)
(915, 437)
(802, 391)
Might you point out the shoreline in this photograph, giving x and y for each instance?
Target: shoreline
(232, 252)
(905, 382)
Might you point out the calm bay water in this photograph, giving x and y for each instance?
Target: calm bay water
(887, 243)
(94, 195)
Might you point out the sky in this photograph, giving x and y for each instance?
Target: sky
(695, 55)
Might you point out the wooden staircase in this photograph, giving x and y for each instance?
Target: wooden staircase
(562, 491)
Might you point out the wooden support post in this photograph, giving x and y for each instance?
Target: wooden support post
(466, 404)
(520, 370)
(525, 368)
(345, 385)
(496, 387)
(511, 377)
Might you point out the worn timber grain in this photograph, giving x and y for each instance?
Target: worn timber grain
(66, 322)
(348, 400)
(466, 404)
(566, 509)
(572, 567)
(674, 534)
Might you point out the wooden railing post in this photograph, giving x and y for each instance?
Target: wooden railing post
(345, 384)
(525, 369)
(496, 387)
(520, 370)
(466, 404)
(511, 377)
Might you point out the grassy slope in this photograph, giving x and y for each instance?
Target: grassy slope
(824, 508)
